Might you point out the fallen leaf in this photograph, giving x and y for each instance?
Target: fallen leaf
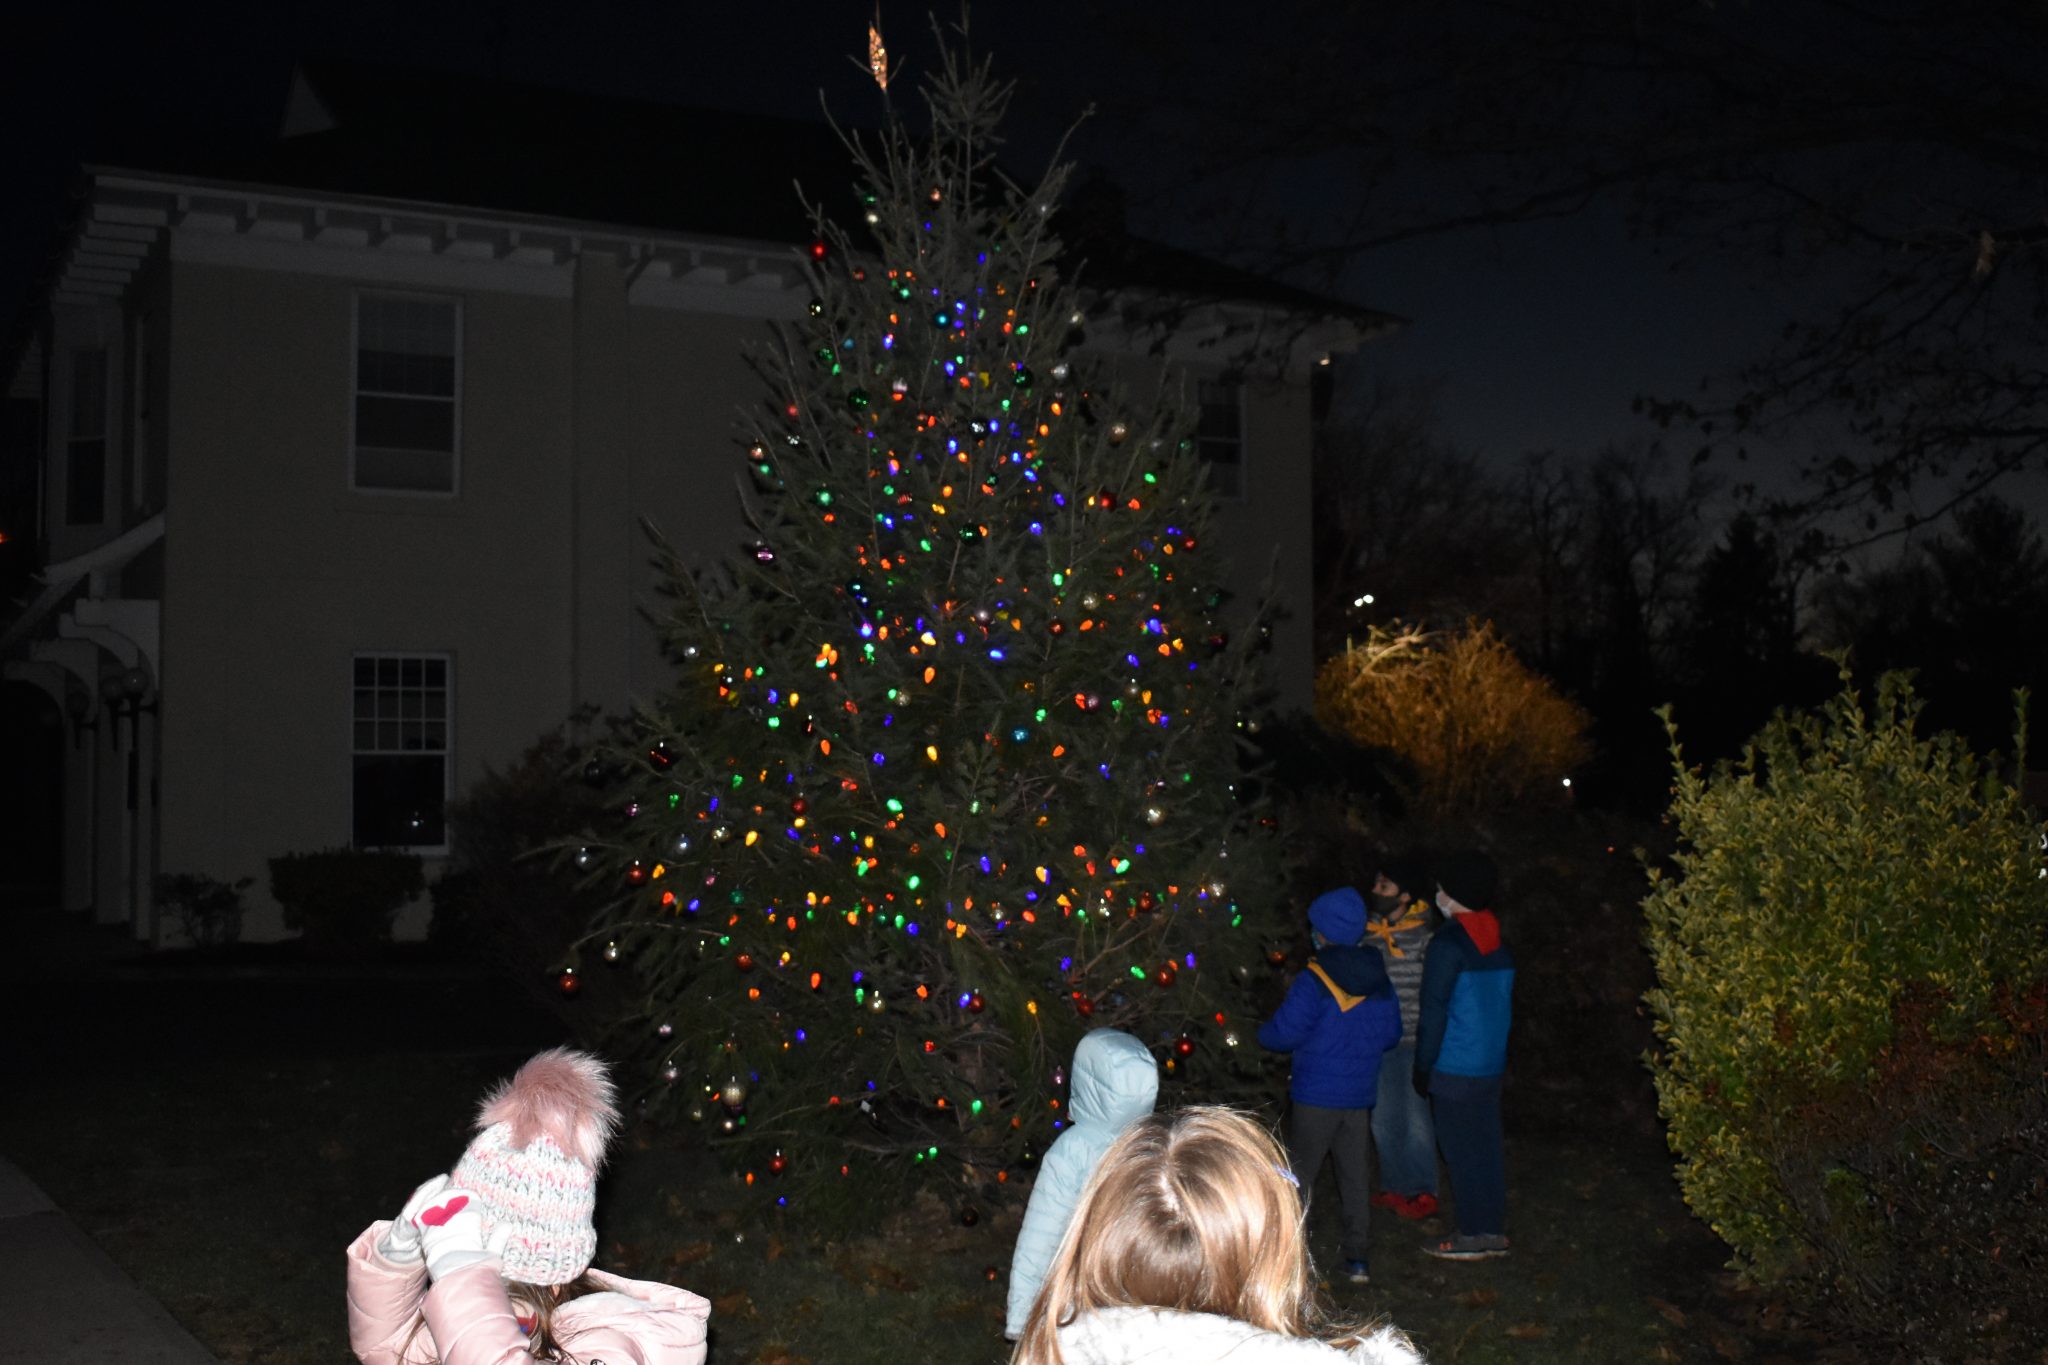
(733, 1305)
(1673, 1314)
(1528, 1331)
(689, 1253)
(1479, 1298)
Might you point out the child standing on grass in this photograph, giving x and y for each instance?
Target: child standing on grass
(1188, 1249)
(492, 1263)
(1114, 1082)
(1399, 924)
(1468, 982)
(1339, 1019)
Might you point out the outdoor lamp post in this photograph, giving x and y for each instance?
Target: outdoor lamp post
(124, 694)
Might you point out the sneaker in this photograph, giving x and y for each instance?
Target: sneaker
(1478, 1246)
(1355, 1271)
(1416, 1206)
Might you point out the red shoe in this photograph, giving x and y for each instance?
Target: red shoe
(1417, 1206)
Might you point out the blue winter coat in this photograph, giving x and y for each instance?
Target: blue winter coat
(1339, 1018)
(1114, 1083)
(1468, 986)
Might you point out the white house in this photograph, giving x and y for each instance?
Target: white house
(345, 446)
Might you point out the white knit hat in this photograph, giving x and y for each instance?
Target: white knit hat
(533, 1166)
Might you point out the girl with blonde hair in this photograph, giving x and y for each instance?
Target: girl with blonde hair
(1187, 1247)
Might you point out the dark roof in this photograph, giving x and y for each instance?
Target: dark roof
(470, 142)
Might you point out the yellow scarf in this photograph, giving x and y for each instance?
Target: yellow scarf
(1416, 913)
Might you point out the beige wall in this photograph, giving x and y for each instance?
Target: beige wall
(277, 573)
(579, 416)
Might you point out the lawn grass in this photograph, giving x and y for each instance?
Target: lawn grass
(224, 1137)
(229, 1187)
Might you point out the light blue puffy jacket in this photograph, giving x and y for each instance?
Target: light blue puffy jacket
(1113, 1083)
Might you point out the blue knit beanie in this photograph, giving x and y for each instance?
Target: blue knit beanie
(1339, 915)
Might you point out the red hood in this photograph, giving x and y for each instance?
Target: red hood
(1482, 928)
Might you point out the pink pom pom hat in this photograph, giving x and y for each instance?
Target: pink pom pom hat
(533, 1166)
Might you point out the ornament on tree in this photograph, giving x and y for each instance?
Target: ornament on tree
(969, 1216)
(611, 952)
(933, 493)
(567, 982)
(1166, 975)
(778, 1163)
(1184, 1046)
(636, 873)
(732, 1094)
(585, 859)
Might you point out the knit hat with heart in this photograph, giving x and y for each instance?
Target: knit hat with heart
(533, 1166)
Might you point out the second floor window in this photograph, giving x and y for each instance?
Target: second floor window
(407, 387)
(85, 441)
(1219, 438)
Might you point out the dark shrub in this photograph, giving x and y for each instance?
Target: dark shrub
(508, 899)
(343, 900)
(209, 909)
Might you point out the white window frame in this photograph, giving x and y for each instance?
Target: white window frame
(355, 358)
(1211, 468)
(446, 751)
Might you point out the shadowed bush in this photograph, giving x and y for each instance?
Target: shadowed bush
(1470, 726)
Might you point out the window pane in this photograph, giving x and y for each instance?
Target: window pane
(405, 423)
(400, 372)
(387, 672)
(88, 394)
(437, 672)
(398, 800)
(85, 482)
(366, 673)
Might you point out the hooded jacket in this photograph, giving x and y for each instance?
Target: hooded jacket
(1163, 1336)
(1468, 986)
(470, 1318)
(1114, 1083)
(1339, 1019)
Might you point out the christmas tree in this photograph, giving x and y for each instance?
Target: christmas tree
(950, 771)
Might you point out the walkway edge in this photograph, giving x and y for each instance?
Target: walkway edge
(68, 1303)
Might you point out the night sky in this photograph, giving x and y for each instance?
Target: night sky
(1539, 335)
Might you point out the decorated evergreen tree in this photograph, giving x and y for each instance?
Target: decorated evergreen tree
(952, 770)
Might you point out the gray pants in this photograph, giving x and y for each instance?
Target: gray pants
(1345, 1136)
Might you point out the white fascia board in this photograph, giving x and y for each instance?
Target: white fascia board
(358, 236)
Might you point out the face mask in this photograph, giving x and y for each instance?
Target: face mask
(1386, 907)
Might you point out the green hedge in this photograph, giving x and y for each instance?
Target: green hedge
(1847, 892)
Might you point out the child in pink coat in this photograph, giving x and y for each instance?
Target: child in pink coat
(491, 1265)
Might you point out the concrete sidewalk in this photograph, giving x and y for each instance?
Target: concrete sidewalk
(67, 1303)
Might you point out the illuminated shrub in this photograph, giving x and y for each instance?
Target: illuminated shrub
(1469, 724)
(1849, 949)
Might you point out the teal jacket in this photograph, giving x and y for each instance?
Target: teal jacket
(1468, 986)
(1114, 1083)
